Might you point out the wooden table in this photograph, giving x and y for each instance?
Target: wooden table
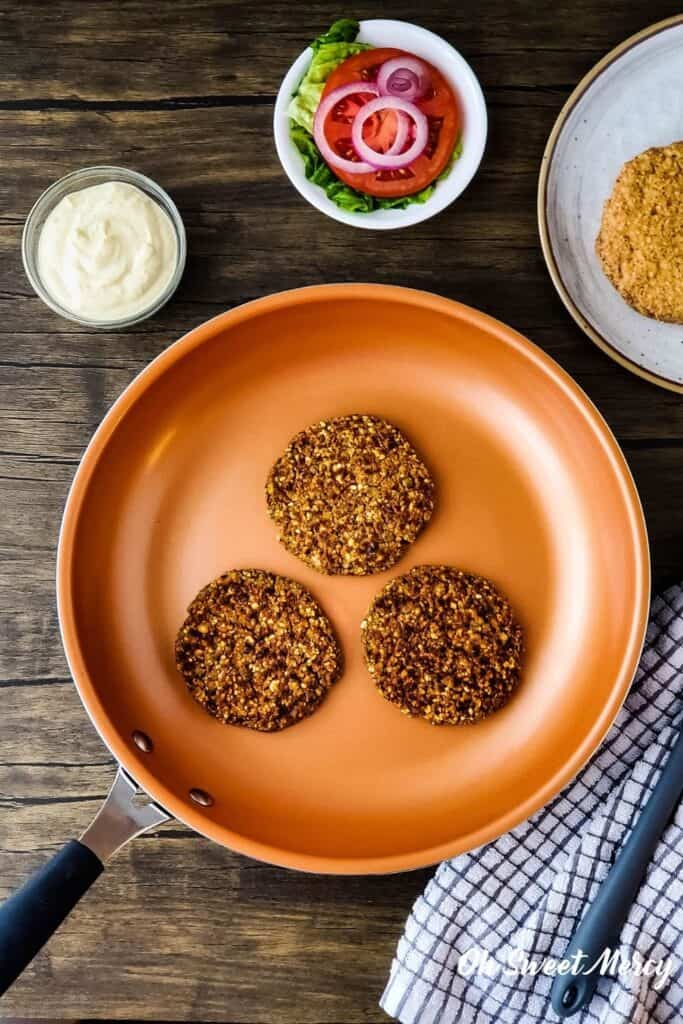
(178, 928)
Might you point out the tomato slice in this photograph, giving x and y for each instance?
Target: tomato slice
(440, 106)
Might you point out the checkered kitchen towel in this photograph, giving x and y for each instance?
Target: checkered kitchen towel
(522, 895)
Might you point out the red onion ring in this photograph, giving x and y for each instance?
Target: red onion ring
(405, 77)
(402, 129)
(327, 105)
(389, 160)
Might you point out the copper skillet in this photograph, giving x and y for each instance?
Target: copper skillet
(533, 491)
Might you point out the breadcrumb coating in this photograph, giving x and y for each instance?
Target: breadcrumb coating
(640, 244)
(443, 645)
(349, 494)
(257, 650)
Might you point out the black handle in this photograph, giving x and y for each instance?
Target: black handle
(30, 916)
(601, 926)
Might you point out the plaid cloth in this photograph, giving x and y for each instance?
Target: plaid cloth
(525, 893)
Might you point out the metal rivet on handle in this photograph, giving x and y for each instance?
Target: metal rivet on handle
(143, 742)
(201, 797)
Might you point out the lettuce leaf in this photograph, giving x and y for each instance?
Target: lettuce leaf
(318, 173)
(344, 30)
(329, 51)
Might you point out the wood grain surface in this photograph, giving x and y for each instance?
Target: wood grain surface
(179, 929)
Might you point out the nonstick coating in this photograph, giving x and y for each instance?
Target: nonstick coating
(532, 491)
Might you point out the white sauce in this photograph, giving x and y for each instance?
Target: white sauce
(107, 251)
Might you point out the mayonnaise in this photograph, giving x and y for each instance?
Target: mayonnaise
(107, 252)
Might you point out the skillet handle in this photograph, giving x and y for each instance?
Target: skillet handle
(34, 912)
(30, 916)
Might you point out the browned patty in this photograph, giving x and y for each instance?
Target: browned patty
(257, 650)
(348, 495)
(443, 645)
(640, 244)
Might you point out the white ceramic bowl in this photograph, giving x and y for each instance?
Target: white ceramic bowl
(401, 34)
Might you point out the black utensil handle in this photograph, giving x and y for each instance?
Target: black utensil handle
(30, 916)
(601, 925)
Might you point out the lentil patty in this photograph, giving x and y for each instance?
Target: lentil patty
(257, 650)
(443, 645)
(349, 494)
(640, 244)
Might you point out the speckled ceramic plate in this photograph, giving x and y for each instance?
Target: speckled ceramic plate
(631, 100)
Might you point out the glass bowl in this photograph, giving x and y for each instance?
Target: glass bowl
(73, 182)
